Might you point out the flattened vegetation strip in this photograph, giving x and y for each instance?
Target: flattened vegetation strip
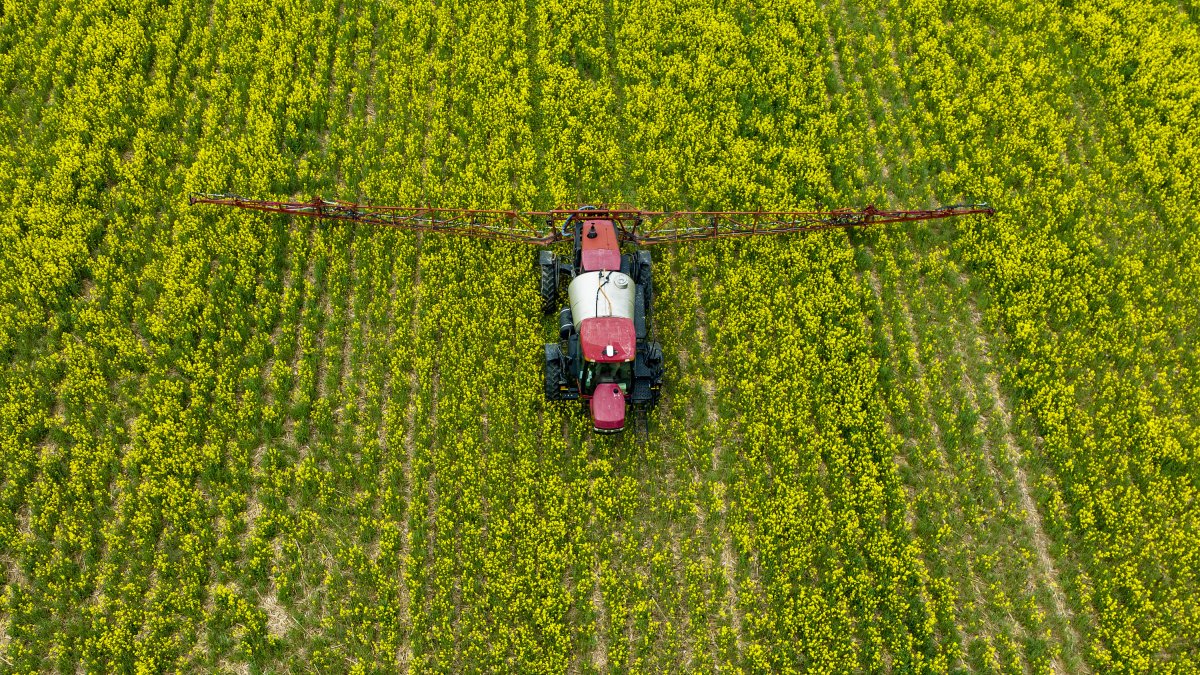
(728, 559)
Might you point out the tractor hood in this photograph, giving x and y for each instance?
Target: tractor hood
(608, 408)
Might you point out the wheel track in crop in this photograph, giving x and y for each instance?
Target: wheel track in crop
(972, 399)
(365, 287)
(327, 448)
(305, 287)
(668, 486)
(296, 281)
(677, 562)
(1044, 574)
(346, 364)
(431, 495)
(404, 657)
(969, 386)
(837, 68)
(600, 653)
(922, 389)
(1011, 450)
(728, 558)
(532, 50)
(338, 355)
(376, 290)
(670, 481)
(973, 547)
(618, 89)
(970, 546)
(322, 334)
(602, 623)
(5, 638)
(388, 346)
(1047, 567)
(978, 593)
(405, 653)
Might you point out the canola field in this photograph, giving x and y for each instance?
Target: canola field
(240, 443)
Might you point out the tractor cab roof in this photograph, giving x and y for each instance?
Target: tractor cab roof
(608, 339)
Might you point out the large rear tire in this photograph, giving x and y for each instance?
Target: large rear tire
(654, 361)
(554, 372)
(548, 281)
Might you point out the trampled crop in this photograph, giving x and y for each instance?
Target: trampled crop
(230, 439)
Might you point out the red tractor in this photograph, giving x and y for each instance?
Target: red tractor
(605, 357)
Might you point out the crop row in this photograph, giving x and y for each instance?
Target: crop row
(1080, 277)
(229, 438)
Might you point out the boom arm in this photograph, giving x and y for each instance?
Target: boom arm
(487, 224)
(694, 225)
(642, 228)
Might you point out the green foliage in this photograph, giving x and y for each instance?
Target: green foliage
(232, 440)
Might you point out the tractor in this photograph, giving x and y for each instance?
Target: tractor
(605, 356)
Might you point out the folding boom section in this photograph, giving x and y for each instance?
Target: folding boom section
(542, 228)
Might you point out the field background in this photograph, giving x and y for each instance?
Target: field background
(250, 443)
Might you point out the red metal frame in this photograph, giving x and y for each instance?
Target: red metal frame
(642, 228)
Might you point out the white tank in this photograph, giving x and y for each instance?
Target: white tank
(600, 294)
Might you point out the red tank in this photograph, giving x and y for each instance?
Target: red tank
(599, 248)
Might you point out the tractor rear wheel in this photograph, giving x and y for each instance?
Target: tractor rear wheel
(555, 375)
(548, 283)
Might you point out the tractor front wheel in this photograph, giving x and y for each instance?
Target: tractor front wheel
(548, 280)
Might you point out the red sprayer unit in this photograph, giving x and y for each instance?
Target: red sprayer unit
(605, 356)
